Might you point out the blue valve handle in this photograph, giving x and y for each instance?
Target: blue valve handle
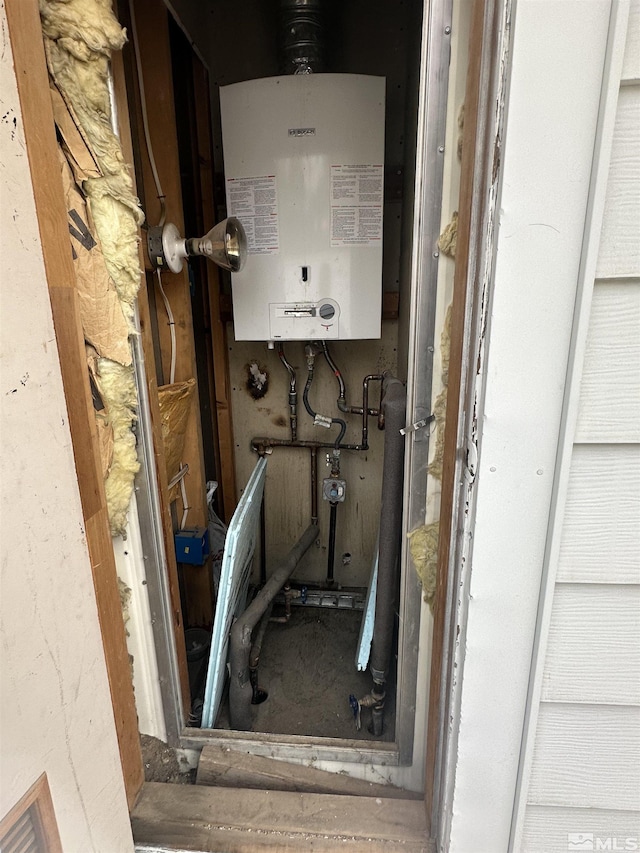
(355, 710)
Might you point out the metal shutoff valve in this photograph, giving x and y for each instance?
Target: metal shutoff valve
(334, 490)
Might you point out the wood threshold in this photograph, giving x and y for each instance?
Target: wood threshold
(228, 767)
(295, 746)
(238, 820)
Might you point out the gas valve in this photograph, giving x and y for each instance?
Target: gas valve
(334, 490)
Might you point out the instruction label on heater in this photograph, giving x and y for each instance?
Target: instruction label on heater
(356, 205)
(254, 201)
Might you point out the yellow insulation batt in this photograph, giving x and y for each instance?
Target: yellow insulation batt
(423, 545)
(423, 540)
(117, 384)
(103, 322)
(79, 37)
(448, 239)
(440, 405)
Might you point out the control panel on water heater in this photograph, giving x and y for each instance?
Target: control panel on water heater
(304, 158)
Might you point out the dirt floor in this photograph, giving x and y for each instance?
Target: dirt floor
(161, 763)
(308, 668)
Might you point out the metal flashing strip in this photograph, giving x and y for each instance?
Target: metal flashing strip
(154, 554)
(234, 582)
(433, 90)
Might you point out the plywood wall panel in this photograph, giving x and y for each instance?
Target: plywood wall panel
(287, 492)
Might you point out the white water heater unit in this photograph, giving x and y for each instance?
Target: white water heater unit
(304, 157)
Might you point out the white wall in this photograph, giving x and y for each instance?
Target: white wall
(55, 707)
(551, 127)
(581, 768)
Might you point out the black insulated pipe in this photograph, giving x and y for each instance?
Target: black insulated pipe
(394, 408)
(331, 547)
(293, 393)
(240, 688)
(313, 414)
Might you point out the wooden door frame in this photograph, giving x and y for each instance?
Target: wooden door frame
(25, 33)
(152, 28)
(479, 175)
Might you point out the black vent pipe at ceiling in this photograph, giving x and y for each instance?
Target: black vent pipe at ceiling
(302, 43)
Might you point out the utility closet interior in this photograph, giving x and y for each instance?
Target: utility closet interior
(279, 347)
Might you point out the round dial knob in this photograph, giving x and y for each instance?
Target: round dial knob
(327, 311)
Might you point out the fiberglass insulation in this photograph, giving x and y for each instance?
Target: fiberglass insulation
(79, 37)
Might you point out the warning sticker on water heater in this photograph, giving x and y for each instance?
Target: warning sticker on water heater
(356, 205)
(254, 201)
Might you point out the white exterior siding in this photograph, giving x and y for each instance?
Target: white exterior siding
(619, 254)
(585, 771)
(547, 827)
(546, 560)
(601, 525)
(585, 758)
(591, 656)
(516, 385)
(610, 393)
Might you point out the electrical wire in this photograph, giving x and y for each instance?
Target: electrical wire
(185, 504)
(145, 119)
(172, 329)
(161, 197)
(172, 379)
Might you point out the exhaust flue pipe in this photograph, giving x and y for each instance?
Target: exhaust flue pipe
(240, 688)
(302, 28)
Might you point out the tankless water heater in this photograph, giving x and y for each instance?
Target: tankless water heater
(303, 158)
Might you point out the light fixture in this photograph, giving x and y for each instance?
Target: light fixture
(225, 245)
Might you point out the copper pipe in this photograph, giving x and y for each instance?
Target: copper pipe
(260, 444)
(365, 405)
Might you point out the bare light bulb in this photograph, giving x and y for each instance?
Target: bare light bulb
(225, 245)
